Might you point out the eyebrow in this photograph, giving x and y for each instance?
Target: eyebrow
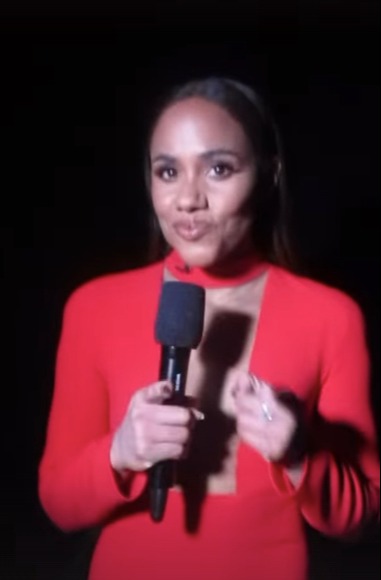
(206, 155)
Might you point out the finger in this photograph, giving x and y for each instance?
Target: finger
(255, 406)
(238, 381)
(156, 393)
(247, 384)
(198, 415)
(264, 391)
(268, 444)
(168, 414)
(259, 411)
(165, 434)
(240, 384)
(246, 403)
(255, 423)
(270, 439)
(262, 398)
(164, 451)
(270, 408)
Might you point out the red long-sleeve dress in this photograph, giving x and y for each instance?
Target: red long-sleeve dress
(310, 339)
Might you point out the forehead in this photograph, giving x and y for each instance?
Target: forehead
(196, 122)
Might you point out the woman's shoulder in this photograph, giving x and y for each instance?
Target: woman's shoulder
(115, 287)
(309, 293)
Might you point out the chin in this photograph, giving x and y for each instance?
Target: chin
(199, 256)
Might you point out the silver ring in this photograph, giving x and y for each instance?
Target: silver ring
(266, 412)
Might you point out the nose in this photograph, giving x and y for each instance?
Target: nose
(190, 196)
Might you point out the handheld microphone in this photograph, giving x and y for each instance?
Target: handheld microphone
(178, 328)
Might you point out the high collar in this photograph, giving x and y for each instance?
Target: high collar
(233, 273)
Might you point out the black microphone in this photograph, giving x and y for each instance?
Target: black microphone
(178, 328)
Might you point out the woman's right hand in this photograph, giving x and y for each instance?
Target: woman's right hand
(151, 431)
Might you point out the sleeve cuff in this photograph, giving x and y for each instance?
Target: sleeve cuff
(112, 487)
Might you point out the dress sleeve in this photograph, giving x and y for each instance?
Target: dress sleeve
(77, 485)
(339, 489)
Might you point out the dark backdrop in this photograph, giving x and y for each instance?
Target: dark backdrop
(76, 85)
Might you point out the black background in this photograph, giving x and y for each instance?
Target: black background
(76, 84)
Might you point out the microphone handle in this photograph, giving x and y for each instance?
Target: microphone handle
(173, 367)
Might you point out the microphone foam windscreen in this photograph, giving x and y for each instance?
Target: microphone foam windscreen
(180, 317)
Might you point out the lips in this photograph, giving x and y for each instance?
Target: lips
(191, 231)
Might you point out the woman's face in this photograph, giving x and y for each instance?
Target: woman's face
(203, 173)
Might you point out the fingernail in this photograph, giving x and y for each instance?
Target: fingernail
(167, 389)
(199, 416)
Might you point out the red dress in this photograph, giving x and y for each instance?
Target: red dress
(310, 339)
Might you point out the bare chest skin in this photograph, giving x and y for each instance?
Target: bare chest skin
(231, 321)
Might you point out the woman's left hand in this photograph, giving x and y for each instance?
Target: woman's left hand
(263, 421)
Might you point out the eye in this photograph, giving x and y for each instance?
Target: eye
(222, 169)
(166, 173)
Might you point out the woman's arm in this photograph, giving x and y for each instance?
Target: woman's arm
(77, 485)
(87, 472)
(337, 485)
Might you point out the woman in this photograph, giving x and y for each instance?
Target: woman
(279, 431)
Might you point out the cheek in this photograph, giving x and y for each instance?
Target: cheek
(233, 198)
(236, 228)
(160, 200)
(232, 208)
(234, 222)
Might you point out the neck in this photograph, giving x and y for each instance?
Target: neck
(232, 272)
